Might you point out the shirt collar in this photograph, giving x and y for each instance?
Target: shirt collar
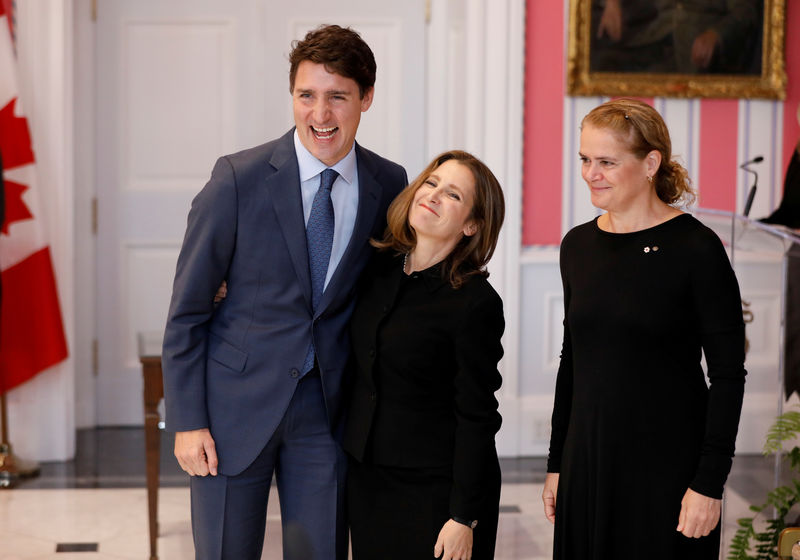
(309, 166)
(431, 276)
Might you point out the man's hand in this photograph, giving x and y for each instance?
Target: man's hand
(699, 514)
(549, 496)
(454, 542)
(196, 453)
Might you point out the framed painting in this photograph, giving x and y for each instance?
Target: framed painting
(677, 48)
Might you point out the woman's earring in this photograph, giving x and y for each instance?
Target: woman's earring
(649, 178)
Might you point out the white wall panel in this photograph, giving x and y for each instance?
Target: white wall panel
(764, 332)
(680, 116)
(553, 322)
(171, 132)
(85, 246)
(536, 411)
(159, 213)
(171, 98)
(760, 283)
(456, 73)
(147, 285)
(576, 203)
(759, 410)
(760, 135)
(146, 274)
(541, 311)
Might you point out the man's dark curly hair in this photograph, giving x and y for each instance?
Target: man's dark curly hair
(341, 50)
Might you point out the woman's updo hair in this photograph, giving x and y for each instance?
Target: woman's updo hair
(642, 129)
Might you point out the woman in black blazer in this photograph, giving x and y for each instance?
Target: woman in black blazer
(424, 479)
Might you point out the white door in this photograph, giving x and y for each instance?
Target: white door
(181, 82)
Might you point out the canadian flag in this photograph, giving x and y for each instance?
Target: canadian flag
(31, 331)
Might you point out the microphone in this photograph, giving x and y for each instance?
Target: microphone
(749, 202)
(752, 194)
(757, 159)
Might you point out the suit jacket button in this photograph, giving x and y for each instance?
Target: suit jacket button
(295, 373)
(371, 352)
(386, 309)
(373, 396)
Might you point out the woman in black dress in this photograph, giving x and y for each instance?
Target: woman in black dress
(641, 447)
(424, 479)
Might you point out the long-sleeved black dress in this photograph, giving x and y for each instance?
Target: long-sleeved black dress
(422, 416)
(634, 423)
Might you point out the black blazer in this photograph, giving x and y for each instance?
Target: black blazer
(425, 375)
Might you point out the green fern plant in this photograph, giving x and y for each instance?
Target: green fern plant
(748, 543)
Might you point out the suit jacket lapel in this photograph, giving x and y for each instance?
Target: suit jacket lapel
(284, 187)
(369, 194)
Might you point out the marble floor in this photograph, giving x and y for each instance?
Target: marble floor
(95, 507)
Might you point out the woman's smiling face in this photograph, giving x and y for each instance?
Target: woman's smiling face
(617, 179)
(442, 207)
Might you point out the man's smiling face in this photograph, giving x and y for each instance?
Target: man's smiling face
(327, 111)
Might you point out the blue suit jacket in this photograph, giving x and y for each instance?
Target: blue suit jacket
(233, 368)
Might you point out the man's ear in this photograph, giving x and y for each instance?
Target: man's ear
(366, 101)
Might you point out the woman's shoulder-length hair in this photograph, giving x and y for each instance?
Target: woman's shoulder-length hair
(472, 253)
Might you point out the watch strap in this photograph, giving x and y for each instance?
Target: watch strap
(471, 524)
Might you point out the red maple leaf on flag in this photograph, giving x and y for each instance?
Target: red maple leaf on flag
(15, 140)
(16, 211)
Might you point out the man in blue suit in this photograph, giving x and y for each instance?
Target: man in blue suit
(253, 386)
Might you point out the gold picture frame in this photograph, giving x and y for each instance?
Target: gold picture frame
(768, 81)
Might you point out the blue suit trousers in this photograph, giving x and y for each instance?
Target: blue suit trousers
(229, 513)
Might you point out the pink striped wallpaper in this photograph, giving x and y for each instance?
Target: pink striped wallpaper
(719, 129)
(725, 132)
(543, 135)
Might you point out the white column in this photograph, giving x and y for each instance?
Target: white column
(475, 101)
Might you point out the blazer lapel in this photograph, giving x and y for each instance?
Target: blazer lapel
(369, 194)
(284, 187)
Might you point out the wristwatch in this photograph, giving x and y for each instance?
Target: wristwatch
(471, 524)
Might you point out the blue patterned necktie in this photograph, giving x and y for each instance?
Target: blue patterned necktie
(319, 238)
